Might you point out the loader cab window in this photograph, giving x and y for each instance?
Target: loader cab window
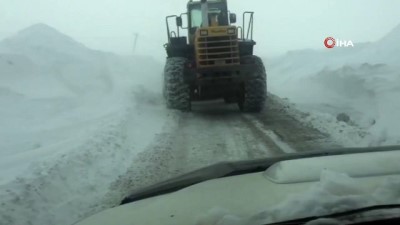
(196, 18)
(196, 15)
(214, 17)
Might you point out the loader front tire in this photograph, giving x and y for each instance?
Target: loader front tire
(254, 91)
(176, 91)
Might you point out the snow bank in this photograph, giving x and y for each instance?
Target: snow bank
(334, 193)
(362, 83)
(65, 112)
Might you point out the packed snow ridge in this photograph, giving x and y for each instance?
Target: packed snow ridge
(356, 87)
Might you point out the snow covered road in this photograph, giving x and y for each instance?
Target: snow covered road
(215, 132)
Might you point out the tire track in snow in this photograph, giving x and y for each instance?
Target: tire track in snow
(206, 138)
(268, 136)
(278, 118)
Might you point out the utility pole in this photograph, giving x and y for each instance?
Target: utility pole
(136, 36)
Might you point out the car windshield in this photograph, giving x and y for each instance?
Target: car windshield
(103, 99)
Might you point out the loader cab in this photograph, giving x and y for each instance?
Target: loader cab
(218, 15)
(206, 18)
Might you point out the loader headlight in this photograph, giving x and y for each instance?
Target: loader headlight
(232, 31)
(203, 32)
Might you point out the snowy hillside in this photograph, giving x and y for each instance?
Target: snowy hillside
(63, 107)
(363, 82)
(47, 45)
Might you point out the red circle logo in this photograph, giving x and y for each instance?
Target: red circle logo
(330, 42)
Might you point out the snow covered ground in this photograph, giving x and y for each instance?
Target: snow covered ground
(361, 82)
(64, 115)
(79, 127)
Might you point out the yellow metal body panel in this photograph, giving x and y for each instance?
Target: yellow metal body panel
(215, 46)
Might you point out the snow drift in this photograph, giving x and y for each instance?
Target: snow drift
(64, 113)
(362, 82)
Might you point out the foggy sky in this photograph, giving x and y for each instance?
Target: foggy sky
(280, 25)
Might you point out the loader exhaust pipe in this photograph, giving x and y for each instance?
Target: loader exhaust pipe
(204, 11)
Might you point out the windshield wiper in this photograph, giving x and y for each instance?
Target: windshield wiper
(226, 169)
(343, 214)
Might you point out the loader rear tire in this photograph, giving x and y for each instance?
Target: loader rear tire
(176, 91)
(254, 91)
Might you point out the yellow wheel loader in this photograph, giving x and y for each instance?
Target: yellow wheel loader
(213, 59)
